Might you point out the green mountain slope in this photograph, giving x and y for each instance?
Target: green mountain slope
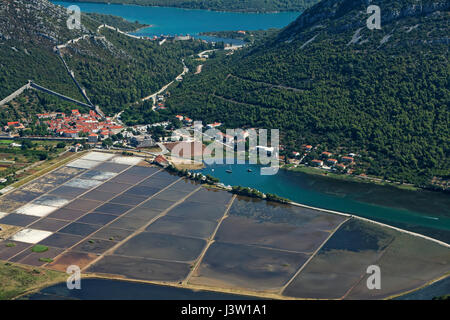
(115, 70)
(28, 32)
(327, 79)
(221, 5)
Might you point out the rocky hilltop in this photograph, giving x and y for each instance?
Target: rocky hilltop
(35, 20)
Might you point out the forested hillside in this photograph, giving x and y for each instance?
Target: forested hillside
(114, 69)
(121, 70)
(327, 79)
(221, 5)
(28, 32)
(115, 21)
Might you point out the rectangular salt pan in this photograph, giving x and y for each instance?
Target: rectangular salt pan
(31, 235)
(126, 160)
(51, 201)
(36, 210)
(82, 183)
(83, 164)
(98, 156)
(98, 175)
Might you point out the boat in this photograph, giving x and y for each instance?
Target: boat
(229, 171)
(249, 170)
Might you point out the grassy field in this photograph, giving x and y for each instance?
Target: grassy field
(16, 280)
(14, 161)
(46, 166)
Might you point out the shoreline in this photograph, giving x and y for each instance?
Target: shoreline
(358, 179)
(350, 215)
(140, 28)
(355, 179)
(187, 8)
(351, 178)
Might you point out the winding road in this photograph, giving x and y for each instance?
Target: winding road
(164, 88)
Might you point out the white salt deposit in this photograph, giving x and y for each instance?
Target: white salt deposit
(83, 164)
(99, 175)
(31, 235)
(98, 156)
(83, 183)
(51, 201)
(131, 161)
(36, 210)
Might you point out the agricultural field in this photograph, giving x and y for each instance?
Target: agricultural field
(17, 155)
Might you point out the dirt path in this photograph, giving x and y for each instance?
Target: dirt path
(199, 69)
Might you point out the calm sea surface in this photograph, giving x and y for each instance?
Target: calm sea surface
(176, 21)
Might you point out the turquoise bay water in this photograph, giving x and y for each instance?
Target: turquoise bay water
(424, 212)
(176, 21)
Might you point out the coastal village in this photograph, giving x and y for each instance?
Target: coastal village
(77, 124)
(71, 126)
(118, 190)
(93, 130)
(90, 130)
